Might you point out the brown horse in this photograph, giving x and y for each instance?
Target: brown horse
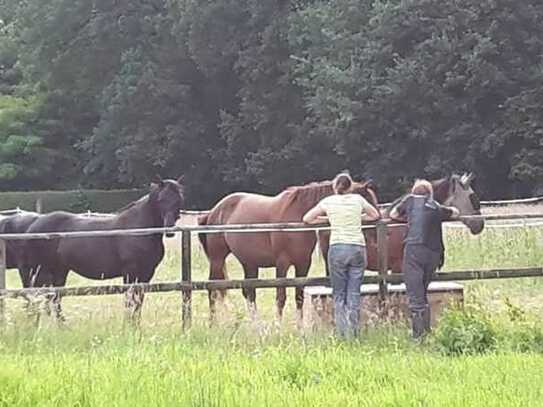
(267, 249)
(454, 191)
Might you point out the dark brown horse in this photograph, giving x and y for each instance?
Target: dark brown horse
(267, 249)
(454, 191)
(15, 258)
(15, 254)
(134, 258)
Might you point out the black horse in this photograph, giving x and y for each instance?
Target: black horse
(134, 258)
(15, 256)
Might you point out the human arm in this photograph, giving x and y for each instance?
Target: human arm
(399, 211)
(370, 214)
(315, 215)
(449, 212)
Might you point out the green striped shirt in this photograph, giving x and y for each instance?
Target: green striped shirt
(345, 216)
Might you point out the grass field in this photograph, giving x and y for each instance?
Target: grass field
(97, 360)
(106, 369)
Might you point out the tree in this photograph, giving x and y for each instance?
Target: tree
(417, 90)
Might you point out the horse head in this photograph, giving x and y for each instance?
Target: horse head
(168, 199)
(367, 190)
(460, 194)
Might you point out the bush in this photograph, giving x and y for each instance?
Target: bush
(526, 336)
(525, 333)
(464, 331)
(73, 201)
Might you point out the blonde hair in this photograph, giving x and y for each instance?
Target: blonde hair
(423, 187)
(342, 183)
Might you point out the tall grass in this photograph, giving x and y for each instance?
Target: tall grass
(96, 360)
(54, 368)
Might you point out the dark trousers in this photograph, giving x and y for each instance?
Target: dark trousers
(419, 266)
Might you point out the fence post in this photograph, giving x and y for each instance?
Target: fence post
(186, 277)
(382, 255)
(39, 205)
(2, 278)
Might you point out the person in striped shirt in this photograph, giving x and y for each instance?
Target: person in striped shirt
(347, 261)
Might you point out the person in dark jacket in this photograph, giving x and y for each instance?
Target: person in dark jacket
(424, 250)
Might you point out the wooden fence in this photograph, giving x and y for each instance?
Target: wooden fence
(186, 285)
(507, 202)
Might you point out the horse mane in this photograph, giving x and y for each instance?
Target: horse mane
(368, 192)
(131, 204)
(143, 198)
(309, 194)
(442, 187)
(393, 204)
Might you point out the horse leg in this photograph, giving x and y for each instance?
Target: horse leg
(217, 271)
(24, 274)
(301, 271)
(59, 280)
(324, 245)
(281, 269)
(250, 271)
(40, 276)
(133, 300)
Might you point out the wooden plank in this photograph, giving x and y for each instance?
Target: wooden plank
(505, 202)
(462, 275)
(186, 279)
(382, 253)
(262, 227)
(2, 279)
(167, 287)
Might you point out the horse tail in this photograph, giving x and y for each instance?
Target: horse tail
(202, 220)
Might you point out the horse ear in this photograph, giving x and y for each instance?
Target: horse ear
(181, 179)
(452, 181)
(156, 181)
(369, 184)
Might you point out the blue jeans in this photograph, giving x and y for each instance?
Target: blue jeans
(346, 263)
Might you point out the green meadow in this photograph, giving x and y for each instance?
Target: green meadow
(490, 352)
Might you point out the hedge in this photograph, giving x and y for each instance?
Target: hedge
(72, 201)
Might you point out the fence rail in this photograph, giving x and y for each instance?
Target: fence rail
(505, 202)
(535, 199)
(186, 285)
(204, 285)
(239, 228)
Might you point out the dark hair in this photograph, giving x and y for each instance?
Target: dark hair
(342, 183)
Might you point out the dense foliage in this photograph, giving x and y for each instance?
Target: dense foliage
(258, 95)
(81, 200)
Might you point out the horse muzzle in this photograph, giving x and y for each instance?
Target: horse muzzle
(475, 226)
(169, 222)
